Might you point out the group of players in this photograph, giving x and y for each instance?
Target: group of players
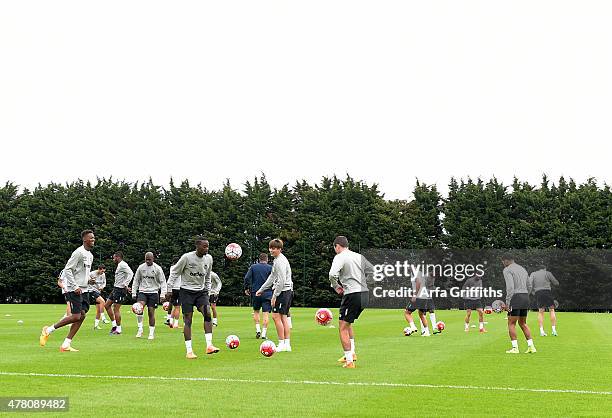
(193, 284)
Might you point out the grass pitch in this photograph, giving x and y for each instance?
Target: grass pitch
(452, 374)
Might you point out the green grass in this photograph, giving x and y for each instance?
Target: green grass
(580, 358)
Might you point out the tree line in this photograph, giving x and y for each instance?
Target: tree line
(40, 228)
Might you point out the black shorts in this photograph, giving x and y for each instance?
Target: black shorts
(191, 298)
(118, 295)
(544, 299)
(150, 299)
(213, 299)
(519, 305)
(94, 295)
(283, 302)
(352, 305)
(263, 303)
(425, 305)
(473, 304)
(175, 300)
(78, 303)
(411, 307)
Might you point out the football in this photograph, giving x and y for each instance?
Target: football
(267, 348)
(232, 342)
(233, 251)
(440, 326)
(407, 331)
(488, 310)
(324, 316)
(137, 308)
(165, 306)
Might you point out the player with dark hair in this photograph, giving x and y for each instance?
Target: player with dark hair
(76, 275)
(148, 281)
(174, 306)
(193, 269)
(540, 283)
(423, 301)
(348, 276)
(282, 293)
(472, 299)
(119, 294)
(255, 277)
(97, 283)
(517, 302)
(215, 288)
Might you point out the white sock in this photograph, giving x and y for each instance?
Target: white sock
(289, 322)
(139, 320)
(422, 325)
(169, 317)
(426, 330)
(412, 325)
(64, 316)
(554, 328)
(467, 325)
(118, 328)
(114, 323)
(481, 325)
(96, 322)
(257, 328)
(352, 345)
(530, 343)
(176, 322)
(514, 343)
(432, 316)
(348, 356)
(264, 331)
(66, 343)
(287, 342)
(188, 346)
(541, 330)
(50, 329)
(281, 343)
(214, 321)
(208, 337)
(102, 317)
(151, 330)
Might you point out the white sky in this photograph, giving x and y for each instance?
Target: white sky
(387, 91)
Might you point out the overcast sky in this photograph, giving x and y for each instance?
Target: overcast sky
(388, 91)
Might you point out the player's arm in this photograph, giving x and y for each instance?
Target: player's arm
(509, 287)
(417, 288)
(162, 282)
(136, 284)
(282, 276)
(334, 274)
(92, 277)
(269, 281)
(552, 278)
(71, 266)
(207, 279)
(175, 272)
(129, 275)
(248, 281)
(102, 284)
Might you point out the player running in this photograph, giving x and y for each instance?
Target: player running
(472, 298)
(348, 278)
(282, 293)
(123, 277)
(215, 288)
(255, 278)
(148, 281)
(517, 302)
(540, 282)
(97, 283)
(194, 269)
(77, 275)
(174, 307)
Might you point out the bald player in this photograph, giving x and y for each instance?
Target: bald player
(517, 302)
(193, 269)
(148, 281)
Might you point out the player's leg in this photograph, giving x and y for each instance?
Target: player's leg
(345, 340)
(541, 321)
(287, 332)
(68, 311)
(284, 310)
(410, 308)
(75, 302)
(280, 330)
(108, 306)
(257, 326)
(187, 320)
(512, 333)
(213, 308)
(425, 327)
(204, 309)
(481, 326)
(117, 313)
(468, 314)
(169, 313)
(100, 305)
(141, 298)
(176, 315)
(553, 320)
(266, 309)
(526, 331)
(74, 328)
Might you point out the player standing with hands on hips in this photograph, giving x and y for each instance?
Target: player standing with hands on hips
(348, 276)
